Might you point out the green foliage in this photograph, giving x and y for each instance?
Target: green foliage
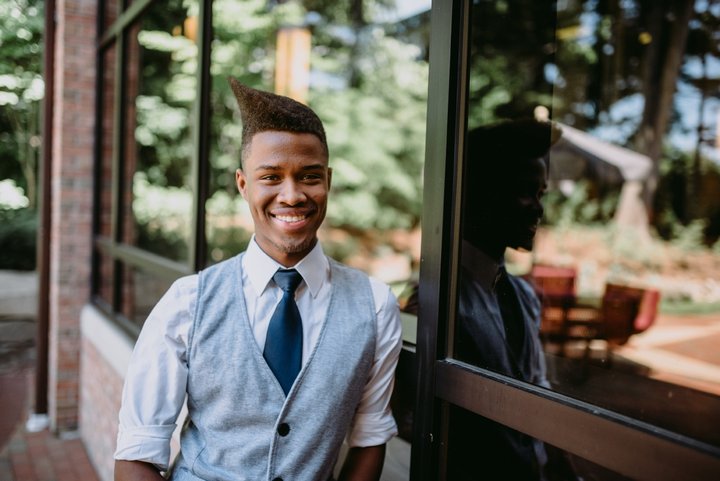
(18, 239)
(162, 217)
(376, 135)
(578, 207)
(21, 90)
(690, 237)
(506, 74)
(225, 242)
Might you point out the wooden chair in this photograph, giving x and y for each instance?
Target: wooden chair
(624, 311)
(555, 287)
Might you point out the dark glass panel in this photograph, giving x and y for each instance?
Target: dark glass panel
(112, 9)
(105, 275)
(107, 143)
(160, 95)
(141, 290)
(606, 219)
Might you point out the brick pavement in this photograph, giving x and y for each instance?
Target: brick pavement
(24, 455)
(35, 456)
(42, 456)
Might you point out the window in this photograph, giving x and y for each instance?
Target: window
(588, 363)
(170, 134)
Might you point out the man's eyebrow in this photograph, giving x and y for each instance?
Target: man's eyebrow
(267, 167)
(314, 167)
(318, 166)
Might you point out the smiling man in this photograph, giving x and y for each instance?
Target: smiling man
(281, 352)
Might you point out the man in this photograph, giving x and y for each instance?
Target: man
(281, 351)
(498, 313)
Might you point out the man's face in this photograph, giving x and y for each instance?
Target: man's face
(523, 205)
(285, 179)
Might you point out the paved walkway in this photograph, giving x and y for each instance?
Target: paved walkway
(26, 455)
(43, 456)
(681, 350)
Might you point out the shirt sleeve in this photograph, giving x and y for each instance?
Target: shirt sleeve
(156, 380)
(374, 423)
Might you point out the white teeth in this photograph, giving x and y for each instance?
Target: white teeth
(290, 218)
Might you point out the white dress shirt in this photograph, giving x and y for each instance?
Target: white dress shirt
(154, 390)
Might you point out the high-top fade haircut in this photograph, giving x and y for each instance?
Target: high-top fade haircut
(262, 111)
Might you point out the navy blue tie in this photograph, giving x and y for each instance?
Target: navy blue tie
(283, 344)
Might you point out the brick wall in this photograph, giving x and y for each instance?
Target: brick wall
(100, 399)
(71, 201)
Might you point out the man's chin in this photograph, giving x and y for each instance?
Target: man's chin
(296, 246)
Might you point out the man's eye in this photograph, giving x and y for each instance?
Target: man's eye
(269, 177)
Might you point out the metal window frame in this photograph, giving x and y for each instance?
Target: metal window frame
(121, 253)
(623, 444)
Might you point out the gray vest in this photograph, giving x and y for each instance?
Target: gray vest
(240, 425)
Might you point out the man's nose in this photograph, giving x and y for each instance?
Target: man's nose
(291, 193)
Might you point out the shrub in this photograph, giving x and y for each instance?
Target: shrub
(18, 239)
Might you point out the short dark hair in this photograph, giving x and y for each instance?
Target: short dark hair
(496, 150)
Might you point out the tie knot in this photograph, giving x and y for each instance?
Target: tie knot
(287, 279)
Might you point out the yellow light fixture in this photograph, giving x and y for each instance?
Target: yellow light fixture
(292, 63)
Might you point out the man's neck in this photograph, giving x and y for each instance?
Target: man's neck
(493, 250)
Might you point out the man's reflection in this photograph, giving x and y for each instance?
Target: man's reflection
(498, 313)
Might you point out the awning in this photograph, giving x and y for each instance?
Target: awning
(632, 165)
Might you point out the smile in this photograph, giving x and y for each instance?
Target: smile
(290, 218)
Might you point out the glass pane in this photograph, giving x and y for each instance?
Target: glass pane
(141, 290)
(365, 74)
(104, 265)
(111, 11)
(107, 143)
(607, 219)
(505, 175)
(160, 92)
(106, 270)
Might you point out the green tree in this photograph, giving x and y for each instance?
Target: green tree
(21, 91)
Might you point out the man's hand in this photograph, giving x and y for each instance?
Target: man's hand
(136, 471)
(363, 464)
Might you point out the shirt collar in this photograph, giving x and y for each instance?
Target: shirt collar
(480, 266)
(260, 268)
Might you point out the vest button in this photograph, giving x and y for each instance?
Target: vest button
(283, 430)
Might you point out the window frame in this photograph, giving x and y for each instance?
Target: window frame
(123, 254)
(596, 434)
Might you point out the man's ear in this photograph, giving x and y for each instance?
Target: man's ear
(329, 177)
(241, 182)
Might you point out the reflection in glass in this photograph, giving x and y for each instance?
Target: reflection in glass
(624, 263)
(111, 9)
(105, 273)
(141, 290)
(104, 265)
(161, 91)
(498, 316)
(107, 143)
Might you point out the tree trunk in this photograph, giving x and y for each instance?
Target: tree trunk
(669, 21)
